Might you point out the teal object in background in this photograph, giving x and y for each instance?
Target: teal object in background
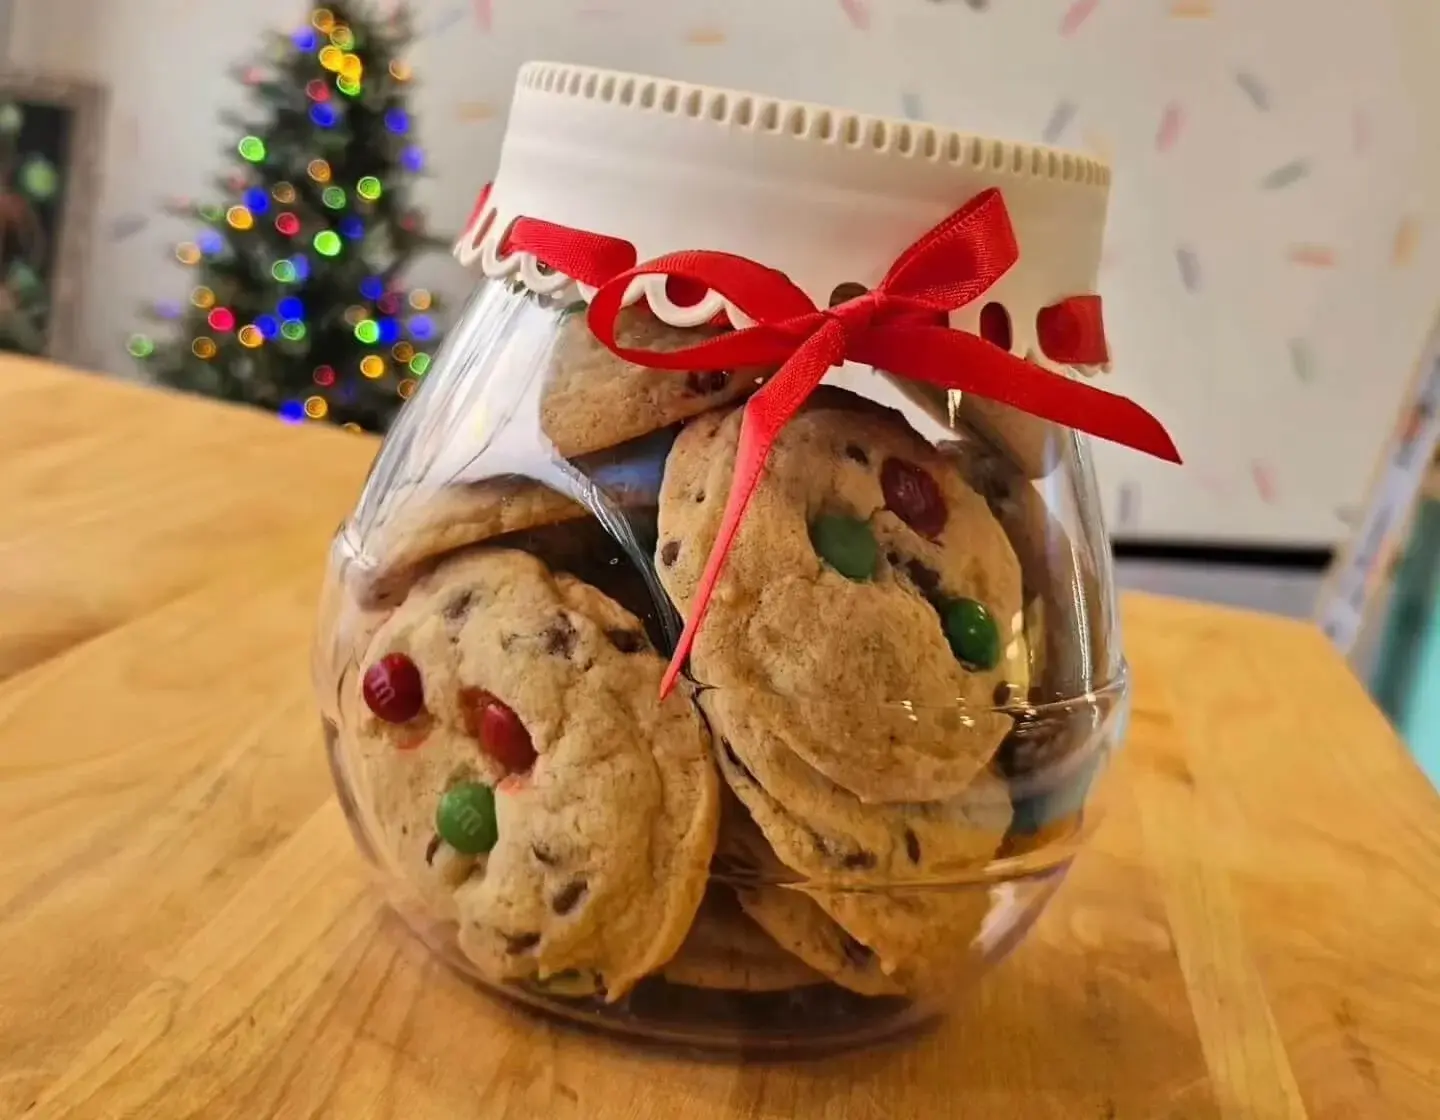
(1406, 684)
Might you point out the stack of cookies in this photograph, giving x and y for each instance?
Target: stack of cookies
(780, 821)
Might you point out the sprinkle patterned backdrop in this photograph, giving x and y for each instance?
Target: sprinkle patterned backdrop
(1268, 272)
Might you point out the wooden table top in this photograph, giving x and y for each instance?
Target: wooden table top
(185, 930)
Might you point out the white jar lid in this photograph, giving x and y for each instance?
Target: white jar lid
(824, 195)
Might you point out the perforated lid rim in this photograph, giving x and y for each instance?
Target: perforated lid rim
(813, 122)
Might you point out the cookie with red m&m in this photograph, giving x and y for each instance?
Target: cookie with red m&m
(539, 794)
(862, 616)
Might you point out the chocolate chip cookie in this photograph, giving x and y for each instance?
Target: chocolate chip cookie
(595, 399)
(863, 611)
(726, 950)
(512, 718)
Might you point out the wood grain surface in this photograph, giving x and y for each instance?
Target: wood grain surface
(186, 932)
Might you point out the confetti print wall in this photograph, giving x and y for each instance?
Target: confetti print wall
(1269, 272)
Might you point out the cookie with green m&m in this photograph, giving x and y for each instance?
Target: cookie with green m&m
(867, 604)
(524, 777)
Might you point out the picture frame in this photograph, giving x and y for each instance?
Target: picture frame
(51, 153)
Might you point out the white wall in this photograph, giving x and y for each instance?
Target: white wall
(1275, 451)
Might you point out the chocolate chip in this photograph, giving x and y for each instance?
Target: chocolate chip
(854, 451)
(912, 846)
(559, 638)
(543, 854)
(859, 861)
(705, 382)
(858, 955)
(430, 850)
(518, 943)
(569, 895)
(457, 608)
(669, 552)
(1005, 694)
(626, 641)
(699, 497)
(927, 579)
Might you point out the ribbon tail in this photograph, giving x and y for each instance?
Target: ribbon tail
(766, 415)
(957, 360)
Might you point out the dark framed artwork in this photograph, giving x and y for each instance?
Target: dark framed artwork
(50, 155)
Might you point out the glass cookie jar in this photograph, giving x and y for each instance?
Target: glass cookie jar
(723, 650)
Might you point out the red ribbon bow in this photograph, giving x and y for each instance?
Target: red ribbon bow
(893, 327)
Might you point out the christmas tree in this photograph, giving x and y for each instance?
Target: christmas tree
(297, 305)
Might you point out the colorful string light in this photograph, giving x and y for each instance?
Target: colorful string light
(327, 243)
(221, 319)
(293, 330)
(210, 242)
(422, 329)
(318, 170)
(140, 346)
(342, 36)
(316, 90)
(397, 121)
(302, 266)
(203, 298)
(352, 228)
(351, 67)
(257, 200)
(316, 408)
(305, 40)
(267, 325)
(401, 71)
(355, 314)
(204, 348)
(252, 148)
(322, 19)
(210, 211)
(284, 271)
(291, 307)
(389, 303)
(368, 188)
(323, 115)
(187, 252)
(367, 331)
(406, 388)
(351, 426)
(324, 376)
(350, 87)
(420, 364)
(333, 197)
(250, 336)
(372, 366)
(287, 224)
(413, 159)
(331, 57)
(402, 352)
(292, 412)
(420, 299)
(240, 218)
(284, 193)
(372, 287)
(389, 332)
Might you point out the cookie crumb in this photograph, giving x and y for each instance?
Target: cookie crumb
(669, 552)
(570, 894)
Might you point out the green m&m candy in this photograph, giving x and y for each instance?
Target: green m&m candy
(847, 545)
(974, 638)
(465, 818)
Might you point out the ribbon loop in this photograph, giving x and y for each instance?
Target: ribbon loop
(896, 327)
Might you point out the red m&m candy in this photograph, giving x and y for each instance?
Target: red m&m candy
(913, 496)
(393, 690)
(498, 729)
